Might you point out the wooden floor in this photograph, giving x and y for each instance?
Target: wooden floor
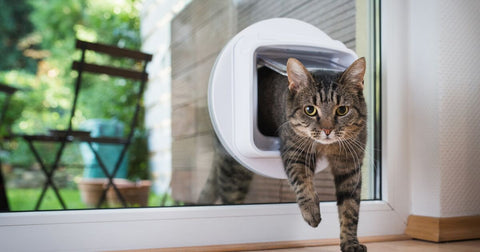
(399, 246)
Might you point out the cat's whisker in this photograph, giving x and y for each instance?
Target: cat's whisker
(300, 146)
(281, 126)
(295, 144)
(370, 157)
(357, 164)
(341, 143)
(311, 156)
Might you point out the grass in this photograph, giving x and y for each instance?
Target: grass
(21, 199)
(26, 199)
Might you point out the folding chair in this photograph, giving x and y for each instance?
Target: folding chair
(71, 135)
(8, 91)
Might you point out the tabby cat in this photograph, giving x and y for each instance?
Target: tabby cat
(228, 180)
(318, 115)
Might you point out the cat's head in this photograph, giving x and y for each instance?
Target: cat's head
(326, 106)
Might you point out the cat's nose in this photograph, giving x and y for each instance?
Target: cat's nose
(327, 131)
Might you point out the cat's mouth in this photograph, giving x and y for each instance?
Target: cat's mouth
(324, 136)
(328, 140)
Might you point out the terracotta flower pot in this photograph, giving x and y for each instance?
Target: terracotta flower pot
(135, 194)
(91, 190)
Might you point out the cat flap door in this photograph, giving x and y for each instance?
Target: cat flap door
(232, 94)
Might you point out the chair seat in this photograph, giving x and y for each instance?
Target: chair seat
(72, 138)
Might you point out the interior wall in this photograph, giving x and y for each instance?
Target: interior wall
(459, 98)
(444, 91)
(423, 107)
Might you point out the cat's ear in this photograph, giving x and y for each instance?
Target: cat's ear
(354, 74)
(298, 75)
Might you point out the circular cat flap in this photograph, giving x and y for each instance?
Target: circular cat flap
(232, 94)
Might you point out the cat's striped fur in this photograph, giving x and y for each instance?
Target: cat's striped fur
(319, 115)
(228, 180)
(307, 136)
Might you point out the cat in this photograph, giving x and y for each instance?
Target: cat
(318, 115)
(228, 180)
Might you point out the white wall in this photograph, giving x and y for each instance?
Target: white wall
(422, 84)
(459, 114)
(444, 98)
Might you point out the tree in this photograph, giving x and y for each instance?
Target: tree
(14, 25)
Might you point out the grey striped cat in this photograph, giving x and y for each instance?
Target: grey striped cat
(228, 180)
(319, 116)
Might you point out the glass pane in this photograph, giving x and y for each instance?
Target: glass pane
(197, 33)
(174, 157)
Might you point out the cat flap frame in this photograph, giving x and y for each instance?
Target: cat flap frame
(232, 94)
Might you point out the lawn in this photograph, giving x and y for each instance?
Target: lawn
(26, 199)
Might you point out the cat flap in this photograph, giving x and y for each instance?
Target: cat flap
(232, 91)
(313, 58)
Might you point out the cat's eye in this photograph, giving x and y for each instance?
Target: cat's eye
(341, 111)
(310, 110)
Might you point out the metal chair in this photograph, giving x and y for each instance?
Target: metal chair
(70, 135)
(8, 91)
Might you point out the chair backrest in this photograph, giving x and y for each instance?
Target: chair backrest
(115, 52)
(8, 91)
(112, 51)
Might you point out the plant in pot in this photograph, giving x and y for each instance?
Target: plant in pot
(94, 179)
(134, 166)
(135, 193)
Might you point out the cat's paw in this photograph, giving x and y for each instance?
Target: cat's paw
(354, 247)
(311, 212)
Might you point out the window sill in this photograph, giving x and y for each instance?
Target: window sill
(183, 226)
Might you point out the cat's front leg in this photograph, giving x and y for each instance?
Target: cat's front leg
(308, 201)
(299, 167)
(348, 186)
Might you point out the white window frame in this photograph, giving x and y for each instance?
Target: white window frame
(120, 229)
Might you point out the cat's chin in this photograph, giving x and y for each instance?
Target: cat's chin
(326, 141)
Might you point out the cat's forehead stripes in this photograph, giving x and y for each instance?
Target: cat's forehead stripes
(327, 91)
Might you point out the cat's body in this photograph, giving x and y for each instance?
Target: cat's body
(318, 116)
(228, 180)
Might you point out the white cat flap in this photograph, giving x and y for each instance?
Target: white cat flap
(232, 94)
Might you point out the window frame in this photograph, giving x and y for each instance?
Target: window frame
(137, 228)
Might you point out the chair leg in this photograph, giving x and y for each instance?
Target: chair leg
(49, 177)
(110, 177)
(3, 194)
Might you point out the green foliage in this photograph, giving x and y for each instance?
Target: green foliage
(47, 92)
(138, 157)
(14, 25)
